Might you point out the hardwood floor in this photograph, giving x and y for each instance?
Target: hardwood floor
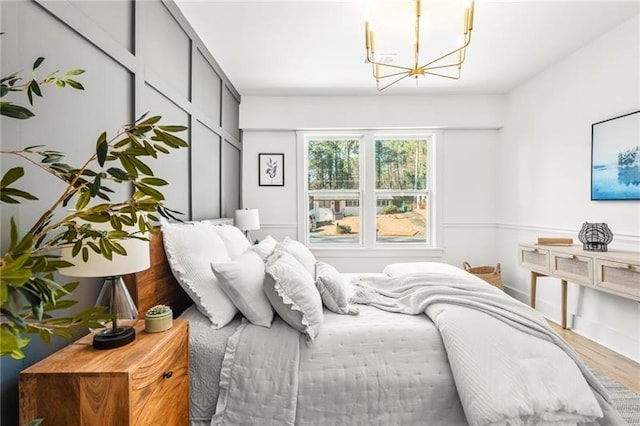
(618, 367)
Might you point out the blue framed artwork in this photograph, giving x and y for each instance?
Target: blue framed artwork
(615, 158)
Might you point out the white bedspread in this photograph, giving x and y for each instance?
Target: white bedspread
(376, 368)
(509, 366)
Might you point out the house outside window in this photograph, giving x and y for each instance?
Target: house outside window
(370, 189)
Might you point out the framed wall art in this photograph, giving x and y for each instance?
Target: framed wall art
(615, 158)
(271, 169)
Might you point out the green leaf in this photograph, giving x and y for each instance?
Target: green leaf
(75, 72)
(76, 248)
(150, 121)
(154, 181)
(173, 129)
(11, 176)
(35, 87)
(95, 187)
(151, 192)
(25, 244)
(102, 148)
(3, 91)
(85, 254)
(74, 84)
(118, 173)
(161, 148)
(15, 111)
(9, 77)
(37, 63)
(83, 200)
(141, 166)
(60, 83)
(18, 193)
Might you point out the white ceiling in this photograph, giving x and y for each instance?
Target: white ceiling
(317, 47)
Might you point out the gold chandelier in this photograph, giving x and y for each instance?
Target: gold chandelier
(448, 65)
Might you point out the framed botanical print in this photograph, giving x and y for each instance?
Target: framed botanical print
(271, 169)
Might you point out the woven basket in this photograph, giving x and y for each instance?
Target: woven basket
(490, 274)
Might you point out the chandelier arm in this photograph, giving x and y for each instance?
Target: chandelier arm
(464, 46)
(388, 65)
(394, 74)
(435, 67)
(444, 75)
(380, 89)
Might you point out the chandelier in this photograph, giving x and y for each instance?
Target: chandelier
(448, 65)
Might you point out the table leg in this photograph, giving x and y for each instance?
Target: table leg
(534, 277)
(564, 304)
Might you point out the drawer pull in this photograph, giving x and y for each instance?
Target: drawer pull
(167, 375)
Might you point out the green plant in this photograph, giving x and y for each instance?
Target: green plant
(29, 290)
(343, 229)
(158, 310)
(391, 209)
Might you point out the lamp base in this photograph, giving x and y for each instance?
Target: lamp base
(110, 338)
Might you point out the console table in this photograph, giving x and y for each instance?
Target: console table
(616, 272)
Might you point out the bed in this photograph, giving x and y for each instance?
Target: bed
(379, 366)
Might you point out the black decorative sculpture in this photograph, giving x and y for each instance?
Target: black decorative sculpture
(595, 236)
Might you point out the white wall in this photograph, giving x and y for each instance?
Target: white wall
(545, 157)
(469, 170)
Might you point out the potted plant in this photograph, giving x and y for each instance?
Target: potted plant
(29, 287)
(158, 318)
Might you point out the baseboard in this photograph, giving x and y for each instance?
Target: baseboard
(613, 339)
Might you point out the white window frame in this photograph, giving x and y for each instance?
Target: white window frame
(367, 190)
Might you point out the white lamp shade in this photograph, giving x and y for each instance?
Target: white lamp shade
(247, 219)
(137, 259)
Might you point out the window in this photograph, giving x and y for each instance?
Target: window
(333, 190)
(371, 189)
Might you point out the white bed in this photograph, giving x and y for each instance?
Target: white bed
(377, 367)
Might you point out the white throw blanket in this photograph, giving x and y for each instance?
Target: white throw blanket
(509, 366)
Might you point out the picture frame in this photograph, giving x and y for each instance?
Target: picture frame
(271, 169)
(615, 158)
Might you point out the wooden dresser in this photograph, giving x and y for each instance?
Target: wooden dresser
(143, 383)
(614, 271)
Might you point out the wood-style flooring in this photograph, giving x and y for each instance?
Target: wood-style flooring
(618, 367)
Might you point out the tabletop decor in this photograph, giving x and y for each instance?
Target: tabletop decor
(158, 318)
(595, 236)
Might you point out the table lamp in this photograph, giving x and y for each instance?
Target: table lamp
(114, 294)
(247, 220)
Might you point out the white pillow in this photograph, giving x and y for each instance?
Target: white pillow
(242, 280)
(265, 247)
(292, 293)
(233, 238)
(190, 249)
(300, 252)
(333, 290)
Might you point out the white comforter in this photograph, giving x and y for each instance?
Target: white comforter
(510, 368)
(381, 368)
(375, 368)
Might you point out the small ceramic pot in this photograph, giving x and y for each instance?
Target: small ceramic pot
(155, 323)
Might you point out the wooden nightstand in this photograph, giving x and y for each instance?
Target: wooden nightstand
(143, 383)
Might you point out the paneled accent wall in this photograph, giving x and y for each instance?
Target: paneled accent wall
(139, 56)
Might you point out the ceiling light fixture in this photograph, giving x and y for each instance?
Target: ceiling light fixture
(448, 65)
